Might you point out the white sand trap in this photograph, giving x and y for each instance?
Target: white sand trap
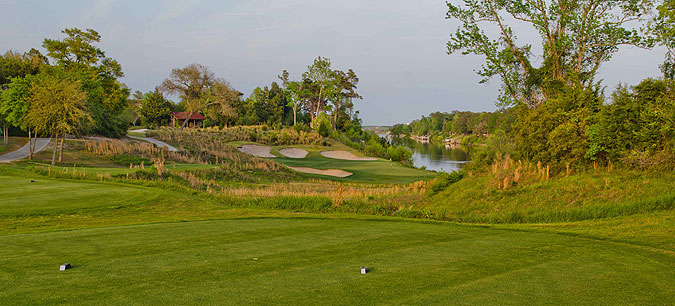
(346, 155)
(331, 172)
(260, 151)
(293, 152)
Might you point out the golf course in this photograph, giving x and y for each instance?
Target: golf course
(337, 152)
(147, 241)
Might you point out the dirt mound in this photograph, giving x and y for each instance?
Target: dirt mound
(293, 152)
(330, 172)
(257, 150)
(345, 155)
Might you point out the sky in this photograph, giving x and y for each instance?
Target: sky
(396, 47)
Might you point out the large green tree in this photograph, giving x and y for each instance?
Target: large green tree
(552, 85)
(57, 107)
(320, 73)
(14, 104)
(576, 38)
(79, 56)
(199, 88)
(14, 64)
(155, 109)
(663, 26)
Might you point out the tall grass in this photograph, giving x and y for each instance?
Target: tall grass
(206, 138)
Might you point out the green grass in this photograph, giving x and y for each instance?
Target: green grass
(316, 261)
(584, 196)
(379, 171)
(136, 134)
(147, 243)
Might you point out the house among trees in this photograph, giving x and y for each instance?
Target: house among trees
(196, 120)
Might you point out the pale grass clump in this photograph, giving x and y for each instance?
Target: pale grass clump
(337, 191)
(508, 173)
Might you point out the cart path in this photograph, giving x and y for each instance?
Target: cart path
(156, 142)
(23, 152)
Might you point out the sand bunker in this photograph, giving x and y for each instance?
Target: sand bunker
(293, 152)
(260, 151)
(331, 172)
(346, 155)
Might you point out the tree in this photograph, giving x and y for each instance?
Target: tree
(78, 56)
(293, 93)
(343, 91)
(14, 106)
(576, 36)
(132, 112)
(13, 64)
(663, 26)
(321, 74)
(5, 130)
(199, 88)
(57, 107)
(155, 109)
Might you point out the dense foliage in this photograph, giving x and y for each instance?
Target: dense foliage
(562, 118)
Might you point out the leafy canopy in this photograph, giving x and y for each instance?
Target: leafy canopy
(576, 38)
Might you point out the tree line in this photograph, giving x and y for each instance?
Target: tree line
(443, 125)
(74, 89)
(321, 96)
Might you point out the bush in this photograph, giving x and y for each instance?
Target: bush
(399, 153)
(323, 130)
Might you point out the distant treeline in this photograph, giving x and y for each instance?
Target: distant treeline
(438, 124)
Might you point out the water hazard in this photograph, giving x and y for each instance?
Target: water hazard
(435, 156)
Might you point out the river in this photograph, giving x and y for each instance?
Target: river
(435, 156)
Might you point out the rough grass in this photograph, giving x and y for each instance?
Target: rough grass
(14, 143)
(584, 196)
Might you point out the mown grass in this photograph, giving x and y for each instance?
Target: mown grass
(132, 243)
(316, 261)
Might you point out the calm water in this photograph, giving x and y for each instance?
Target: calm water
(436, 156)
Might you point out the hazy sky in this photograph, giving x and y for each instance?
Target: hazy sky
(397, 47)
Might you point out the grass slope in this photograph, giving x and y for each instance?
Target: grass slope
(316, 261)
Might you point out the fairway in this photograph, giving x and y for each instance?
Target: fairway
(21, 197)
(316, 261)
(371, 171)
(378, 171)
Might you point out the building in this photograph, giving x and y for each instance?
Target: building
(177, 118)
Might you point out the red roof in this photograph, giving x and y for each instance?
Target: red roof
(183, 115)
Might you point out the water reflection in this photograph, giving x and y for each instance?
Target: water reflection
(435, 156)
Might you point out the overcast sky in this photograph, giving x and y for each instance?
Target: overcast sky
(396, 47)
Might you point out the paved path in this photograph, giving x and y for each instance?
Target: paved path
(24, 151)
(156, 142)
